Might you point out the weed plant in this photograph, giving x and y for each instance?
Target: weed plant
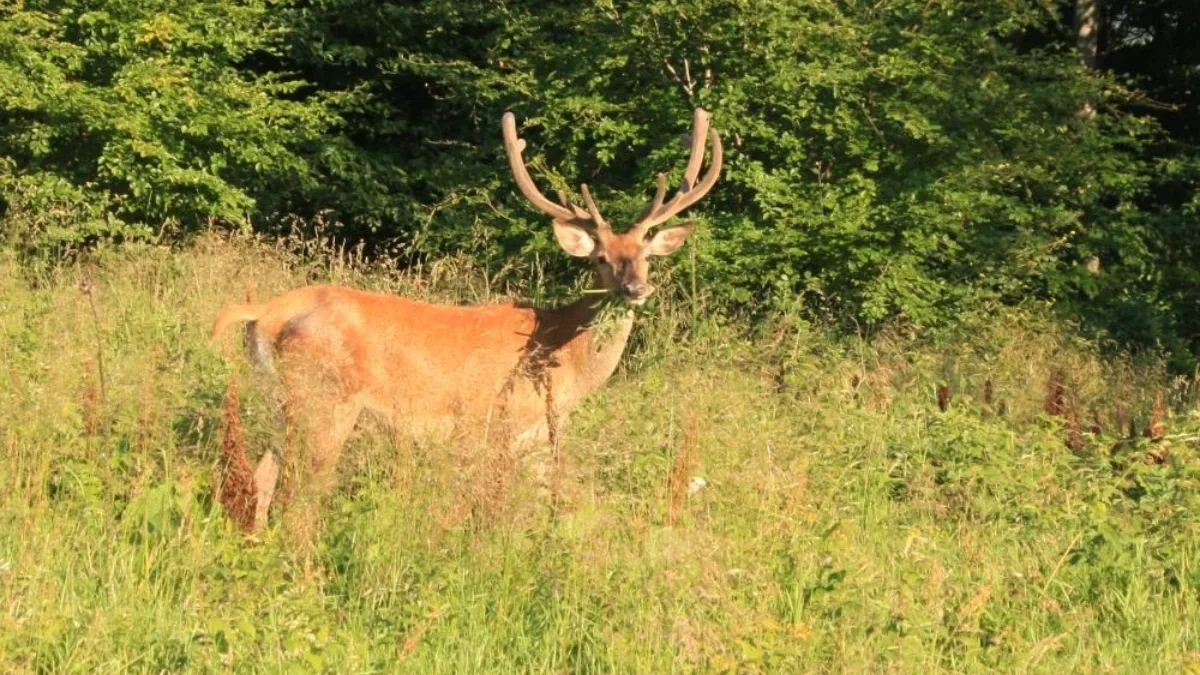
(739, 498)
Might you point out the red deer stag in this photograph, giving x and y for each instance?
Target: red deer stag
(435, 368)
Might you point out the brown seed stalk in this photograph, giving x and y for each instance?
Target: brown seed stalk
(237, 494)
(1055, 403)
(680, 469)
(1156, 428)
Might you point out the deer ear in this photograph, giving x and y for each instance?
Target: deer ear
(574, 239)
(666, 242)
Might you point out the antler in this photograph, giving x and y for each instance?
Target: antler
(566, 212)
(656, 213)
(690, 191)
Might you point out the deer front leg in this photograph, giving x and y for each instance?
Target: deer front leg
(266, 478)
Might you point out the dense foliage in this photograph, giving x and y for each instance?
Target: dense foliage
(907, 158)
(117, 115)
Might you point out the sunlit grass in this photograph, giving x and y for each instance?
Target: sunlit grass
(845, 523)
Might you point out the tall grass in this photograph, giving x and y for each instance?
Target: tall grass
(843, 523)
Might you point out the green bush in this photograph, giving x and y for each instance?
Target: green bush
(908, 159)
(119, 115)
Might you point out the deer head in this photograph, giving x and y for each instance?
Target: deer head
(622, 260)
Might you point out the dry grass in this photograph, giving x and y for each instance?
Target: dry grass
(846, 524)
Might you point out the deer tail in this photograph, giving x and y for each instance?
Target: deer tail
(235, 314)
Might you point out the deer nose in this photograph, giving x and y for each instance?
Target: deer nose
(635, 290)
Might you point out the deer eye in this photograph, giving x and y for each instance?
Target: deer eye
(601, 258)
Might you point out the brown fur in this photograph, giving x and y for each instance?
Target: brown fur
(432, 369)
(435, 369)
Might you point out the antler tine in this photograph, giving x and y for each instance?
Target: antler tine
(513, 146)
(659, 194)
(597, 219)
(700, 122)
(690, 191)
(580, 214)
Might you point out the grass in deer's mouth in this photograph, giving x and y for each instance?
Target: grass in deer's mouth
(846, 524)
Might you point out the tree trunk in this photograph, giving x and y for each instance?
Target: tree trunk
(1087, 32)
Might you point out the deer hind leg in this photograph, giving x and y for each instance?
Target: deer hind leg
(320, 434)
(326, 442)
(320, 430)
(318, 467)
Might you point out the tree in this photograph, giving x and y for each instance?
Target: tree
(123, 115)
(908, 159)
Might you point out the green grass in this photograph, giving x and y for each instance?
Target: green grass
(847, 524)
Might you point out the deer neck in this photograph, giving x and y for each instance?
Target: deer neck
(589, 337)
(604, 335)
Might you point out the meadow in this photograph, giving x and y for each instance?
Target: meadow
(741, 498)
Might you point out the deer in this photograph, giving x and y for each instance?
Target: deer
(433, 368)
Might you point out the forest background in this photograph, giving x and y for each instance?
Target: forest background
(904, 160)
